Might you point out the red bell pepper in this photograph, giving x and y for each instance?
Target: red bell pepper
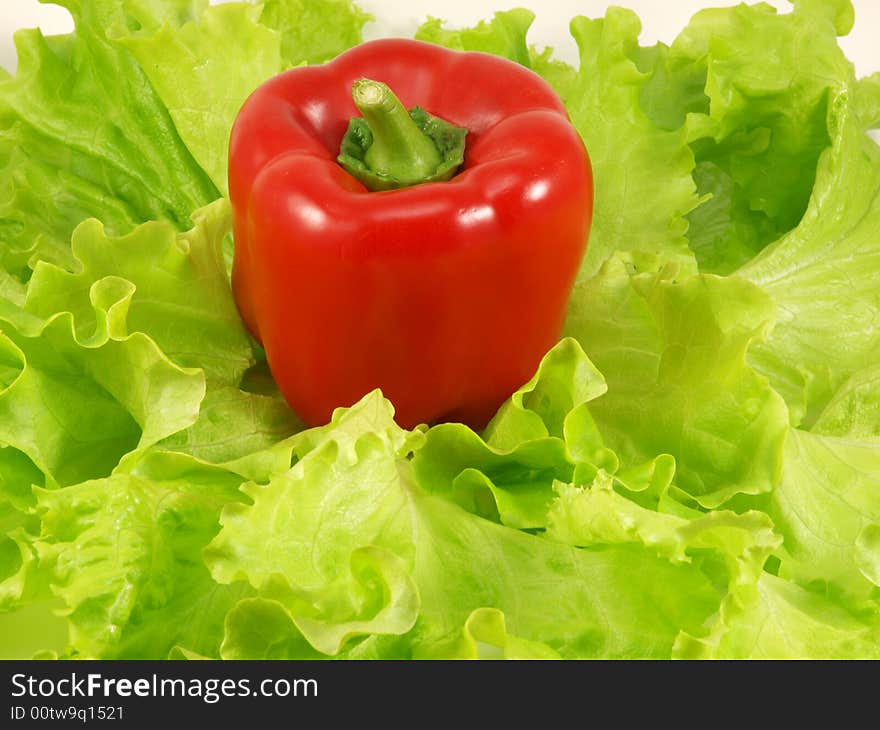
(444, 293)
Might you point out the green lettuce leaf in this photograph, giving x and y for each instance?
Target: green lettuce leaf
(365, 587)
(672, 347)
(730, 548)
(854, 410)
(14, 554)
(76, 405)
(234, 424)
(485, 636)
(725, 232)
(788, 622)
(62, 162)
(17, 523)
(350, 505)
(545, 433)
(124, 557)
(262, 628)
(597, 514)
(827, 508)
(180, 295)
(758, 140)
(314, 31)
(509, 471)
(504, 35)
(644, 187)
(143, 342)
(201, 88)
(29, 620)
(869, 98)
(822, 276)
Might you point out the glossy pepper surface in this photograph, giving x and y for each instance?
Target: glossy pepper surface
(445, 294)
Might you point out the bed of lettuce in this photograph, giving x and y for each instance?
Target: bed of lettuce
(694, 471)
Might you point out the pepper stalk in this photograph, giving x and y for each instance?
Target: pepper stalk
(388, 147)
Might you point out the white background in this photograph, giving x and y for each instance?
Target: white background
(661, 20)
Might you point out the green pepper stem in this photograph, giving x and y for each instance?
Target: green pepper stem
(400, 149)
